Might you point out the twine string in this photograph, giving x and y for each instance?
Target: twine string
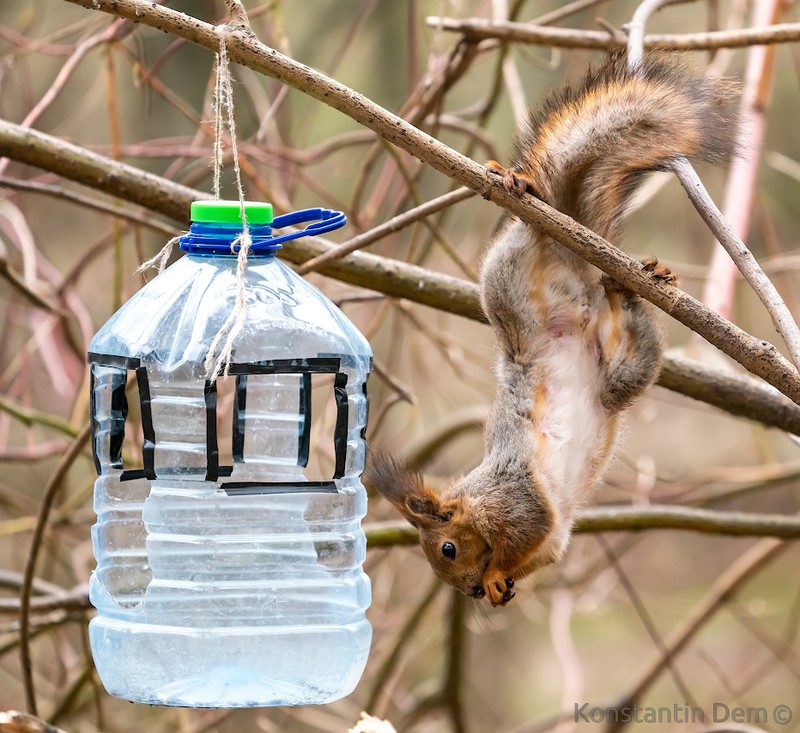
(219, 363)
(159, 261)
(215, 363)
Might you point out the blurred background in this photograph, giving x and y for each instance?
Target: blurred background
(597, 629)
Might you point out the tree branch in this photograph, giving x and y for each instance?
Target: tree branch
(97, 171)
(733, 393)
(727, 585)
(475, 29)
(50, 491)
(625, 518)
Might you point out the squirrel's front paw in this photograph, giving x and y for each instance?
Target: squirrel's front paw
(498, 587)
(512, 180)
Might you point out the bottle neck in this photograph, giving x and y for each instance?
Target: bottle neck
(204, 238)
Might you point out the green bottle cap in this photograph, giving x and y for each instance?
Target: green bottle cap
(230, 212)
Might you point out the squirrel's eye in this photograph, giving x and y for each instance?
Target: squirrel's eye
(449, 550)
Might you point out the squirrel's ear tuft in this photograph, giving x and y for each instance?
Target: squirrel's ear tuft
(426, 508)
(392, 478)
(403, 487)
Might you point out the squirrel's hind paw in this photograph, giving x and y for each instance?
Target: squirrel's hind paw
(514, 181)
(651, 265)
(659, 271)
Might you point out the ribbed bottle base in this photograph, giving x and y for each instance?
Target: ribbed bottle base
(229, 667)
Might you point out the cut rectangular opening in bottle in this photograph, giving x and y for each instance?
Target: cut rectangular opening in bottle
(283, 423)
(118, 439)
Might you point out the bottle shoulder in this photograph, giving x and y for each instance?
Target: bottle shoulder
(176, 315)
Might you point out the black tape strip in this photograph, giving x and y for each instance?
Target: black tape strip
(304, 434)
(212, 447)
(239, 414)
(250, 488)
(95, 423)
(114, 360)
(340, 430)
(315, 365)
(366, 407)
(119, 404)
(132, 474)
(149, 442)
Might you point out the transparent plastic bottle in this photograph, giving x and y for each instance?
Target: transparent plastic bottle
(234, 585)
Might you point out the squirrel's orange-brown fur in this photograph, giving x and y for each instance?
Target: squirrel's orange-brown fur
(575, 348)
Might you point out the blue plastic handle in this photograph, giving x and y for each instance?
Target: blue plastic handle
(322, 220)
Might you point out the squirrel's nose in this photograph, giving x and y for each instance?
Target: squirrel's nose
(478, 591)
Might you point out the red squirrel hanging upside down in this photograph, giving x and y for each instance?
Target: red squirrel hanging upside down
(575, 348)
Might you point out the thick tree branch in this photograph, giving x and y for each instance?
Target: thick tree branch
(95, 170)
(734, 393)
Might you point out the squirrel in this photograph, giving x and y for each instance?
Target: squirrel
(575, 347)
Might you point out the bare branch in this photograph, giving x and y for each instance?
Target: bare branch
(52, 488)
(478, 30)
(633, 519)
(393, 225)
(741, 255)
(88, 202)
(712, 216)
(726, 585)
(733, 393)
(636, 29)
(97, 171)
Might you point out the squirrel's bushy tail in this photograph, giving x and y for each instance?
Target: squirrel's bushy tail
(589, 143)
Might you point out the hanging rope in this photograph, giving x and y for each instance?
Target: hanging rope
(219, 363)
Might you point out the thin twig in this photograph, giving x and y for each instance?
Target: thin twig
(50, 491)
(29, 416)
(87, 202)
(647, 619)
(727, 237)
(636, 30)
(381, 676)
(451, 697)
(116, 31)
(562, 607)
(748, 265)
(390, 227)
(73, 600)
(740, 187)
(18, 283)
(747, 565)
